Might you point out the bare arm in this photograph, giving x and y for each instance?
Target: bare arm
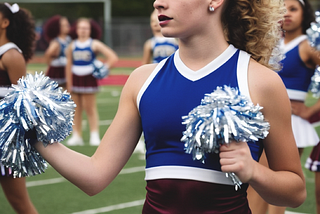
(14, 63)
(283, 183)
(147, 53)
(93, 174)
(111, 56)
(68, 67)
(52, 51)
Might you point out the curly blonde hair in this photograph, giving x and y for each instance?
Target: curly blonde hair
(255, 27)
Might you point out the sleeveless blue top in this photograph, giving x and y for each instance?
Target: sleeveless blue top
(295, 74)
(61, 60)
(172, 91)
(83, 57)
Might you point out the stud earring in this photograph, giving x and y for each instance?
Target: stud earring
(211, 9)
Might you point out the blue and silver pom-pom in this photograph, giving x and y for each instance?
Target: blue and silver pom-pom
(313, 32)
(35, 110)
(314, 86)
(100, 70)
(223, 116)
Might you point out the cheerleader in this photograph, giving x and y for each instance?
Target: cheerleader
(156, 96)
(298, 67)
(17, 37)
(81, 54)
(56, 32)
(158, 47)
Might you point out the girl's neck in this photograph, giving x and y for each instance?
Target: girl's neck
(291, 35)
(83, 39)
(62, 36)
(198, 53)
(157, 34)
(3, 38)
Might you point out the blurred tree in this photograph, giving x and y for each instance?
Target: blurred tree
(120, 8)
(70, 10)
(132, 8)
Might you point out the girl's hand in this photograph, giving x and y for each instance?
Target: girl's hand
(301, 110)
(236, 157)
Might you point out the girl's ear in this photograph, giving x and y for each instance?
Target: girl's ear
(216, 3)
(5, 23)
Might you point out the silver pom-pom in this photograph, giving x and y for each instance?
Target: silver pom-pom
(313, 32)
(36, 110)
(314, 86)
(222, 116)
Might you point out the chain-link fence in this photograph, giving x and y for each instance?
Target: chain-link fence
(128, 35)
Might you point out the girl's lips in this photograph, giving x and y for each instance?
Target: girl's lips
(163, 20)
(287, 21)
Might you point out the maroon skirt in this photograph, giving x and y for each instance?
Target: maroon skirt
(84, 84)
(175, 196)
(313, 162)
(57, 74)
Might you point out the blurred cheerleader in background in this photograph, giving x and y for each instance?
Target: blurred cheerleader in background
(298, 67)
(82, 85)
(158, 47)
(56, 32)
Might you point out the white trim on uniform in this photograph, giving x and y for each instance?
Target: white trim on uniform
(82, 70)
(206, 70)
(149, 80)
(289, 46)
(297, 95)
(5, 90)
(242, 73)
(190, 173)
(4, 48)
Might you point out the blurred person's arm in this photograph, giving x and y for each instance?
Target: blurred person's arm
(52, 52)
(147, 52)
(109, 54)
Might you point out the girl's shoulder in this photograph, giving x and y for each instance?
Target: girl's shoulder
(8, 46)
(138, 77)
(263, 82)
(97, 44)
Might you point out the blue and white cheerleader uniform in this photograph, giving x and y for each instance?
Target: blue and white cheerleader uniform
(297, 78)
(82, 68)
(162, 47)
(175, 182)
(56, 70)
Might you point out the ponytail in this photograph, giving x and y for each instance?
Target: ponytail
(254, 26)
(52, 28)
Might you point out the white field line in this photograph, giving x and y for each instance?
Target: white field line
(45, 182)
(288, 212)
(316, 124)
(112, 207)
(101, 123)
(128, 205)
(61, 179)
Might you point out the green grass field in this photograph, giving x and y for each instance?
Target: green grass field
(52, 194)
